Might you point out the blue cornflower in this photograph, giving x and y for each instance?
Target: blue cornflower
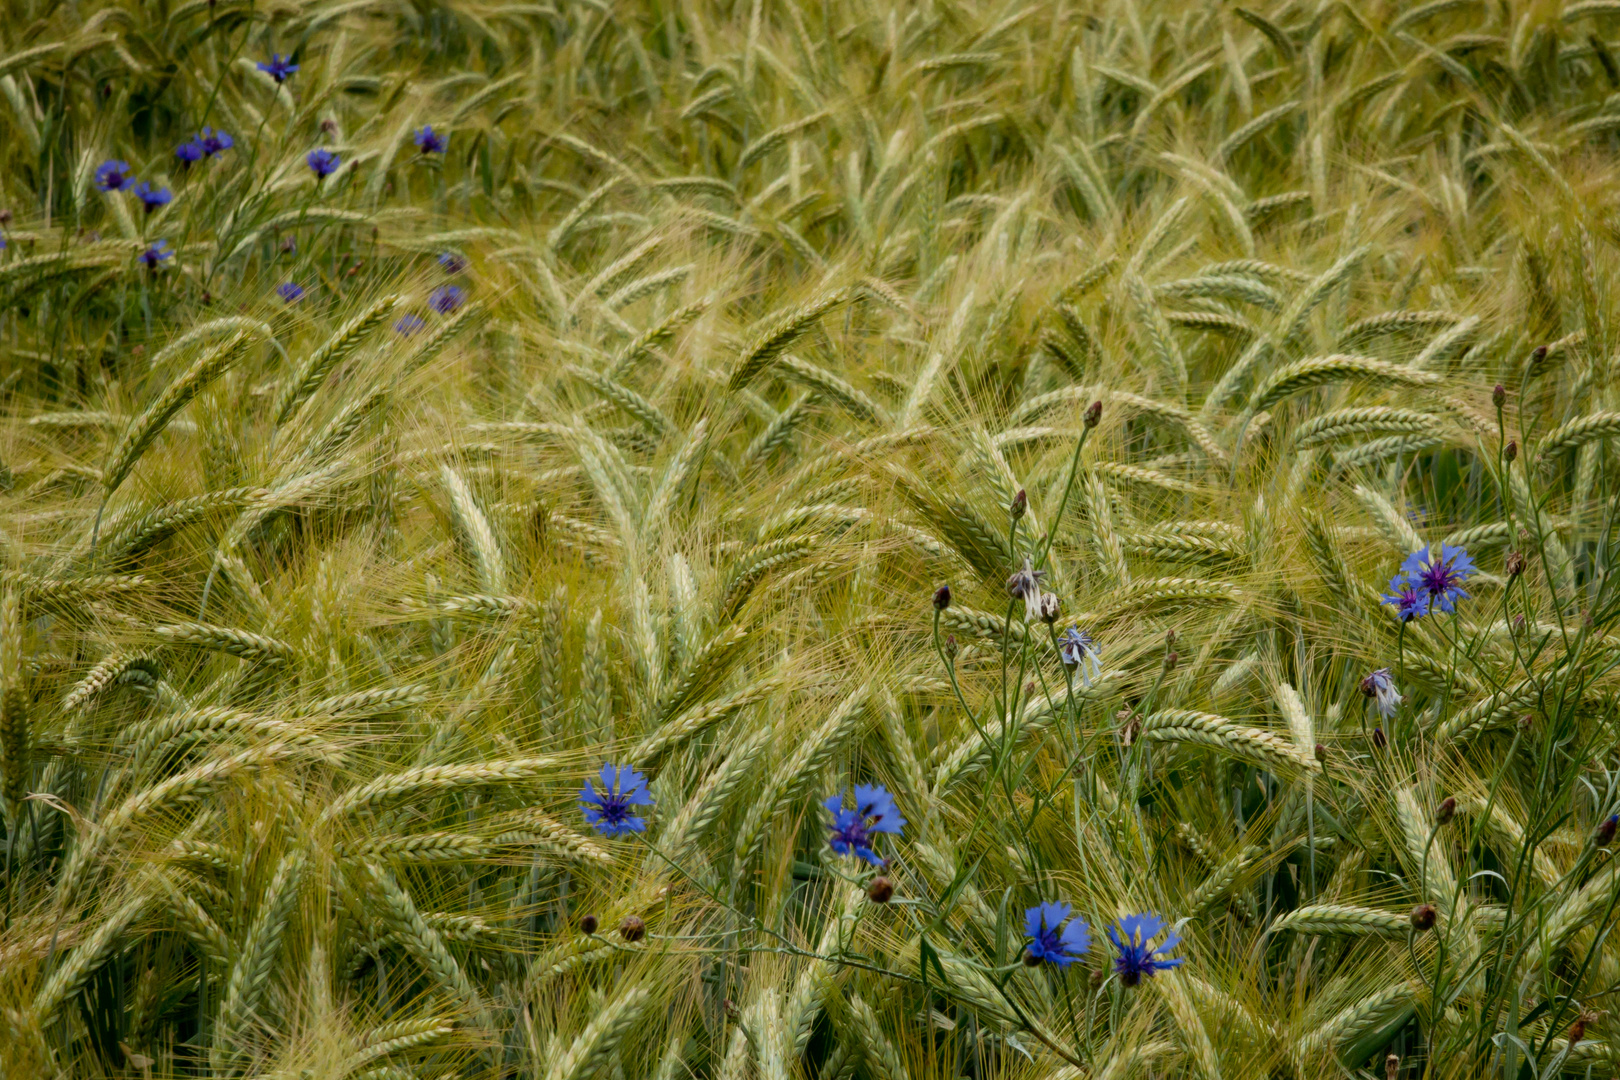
(214, 142)
(431, 142)
(155, 254)
(445, 299)
(1380, 686)
(290, 291)
(190, 151)
(323, 162)
(409, 324)
(279, 67)
(1077, 648)
(853, 831)
(1052, 941)
(452, 263)
(1130, 936)
(1440, 579)
(609, 810)
(113, 175)
(152, 197)
(1409, 600)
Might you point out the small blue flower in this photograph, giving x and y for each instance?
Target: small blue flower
(1077, 648)
(452, 263)
(279, 67)
(1380, 686)
(152, 197)
(290, 291)
(1410, 601)
(853, 831)
(1052, 941)
(155, 254)
(609, 810)
(113, 175)
(190, 151)
(1440, 579)
(431, 142)
(446, 298)
(214, 142)
(1130, 936)
(409, 324)
(323, 162)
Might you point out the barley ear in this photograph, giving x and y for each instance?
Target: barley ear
(14, 727)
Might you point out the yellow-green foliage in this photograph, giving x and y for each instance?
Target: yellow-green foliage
(640, 426)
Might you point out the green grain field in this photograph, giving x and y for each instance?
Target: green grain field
(410, 407)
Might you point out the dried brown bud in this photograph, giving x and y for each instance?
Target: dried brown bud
(5, 217)
(942, 598)
(1577, 1030)
(1518, 625)
(329, 126)
(880, 890)
(1130, 727)
(289, 245)
(1510, 451)
(1445, 811)
(1538, 356)
(1171, 659)
(1048, 608)
(1423, 917)
(1392, 1065)
(1170, 637)
(950, 646)
(1378, 739)
(1096, 977)
(1498, 395)
(1020, 504)
(588, 924)
(1515, 563)
(1604, 834)
(632, 928)
(1093, 414)
(1526, 722)
(207, 297)
(1321, 753)
(138, 350)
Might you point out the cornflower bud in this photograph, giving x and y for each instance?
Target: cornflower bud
(1093, 415)
(1321, 753)
(1049, 608)
(1510, 451)
(587, 925)
(1171, 658)
(1445, 811)
(1020, 504)
(1515, 563)
(942, 598)
(1423, 917)
(1498, 395)
(950, 646)
(632, 928)
(1538, 356)
(1096, 977)
(1604, 833)
(1378, 739)
(880, 890)
(1518, 625)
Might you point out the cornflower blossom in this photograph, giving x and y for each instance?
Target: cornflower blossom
(1380, 686)
(1409, 600)
(1131, 936)
(1025, 584)
(409, 324)
(429, 141)
(190, 152)
(279, 67)
(855, 831)
(1054, 938)
(290, 291)
(155, 254)
(1078, 650)
(445, 299)
(113, 175)
(1440, 579)
(611, 810)
(452, 263)
(322, 163)
(214, 142)
(152, 197)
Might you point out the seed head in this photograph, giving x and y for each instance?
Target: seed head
(880, 890)
(1392, 1065)
(1445, 811)
(632, 928)
(1510, 451)
(1049, 606)
(1020, 504)
(942, 598)
(1423, 917)
(1093, 415)
(1498, 395)
(588, 925)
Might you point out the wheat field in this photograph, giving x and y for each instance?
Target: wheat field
(410, 407)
